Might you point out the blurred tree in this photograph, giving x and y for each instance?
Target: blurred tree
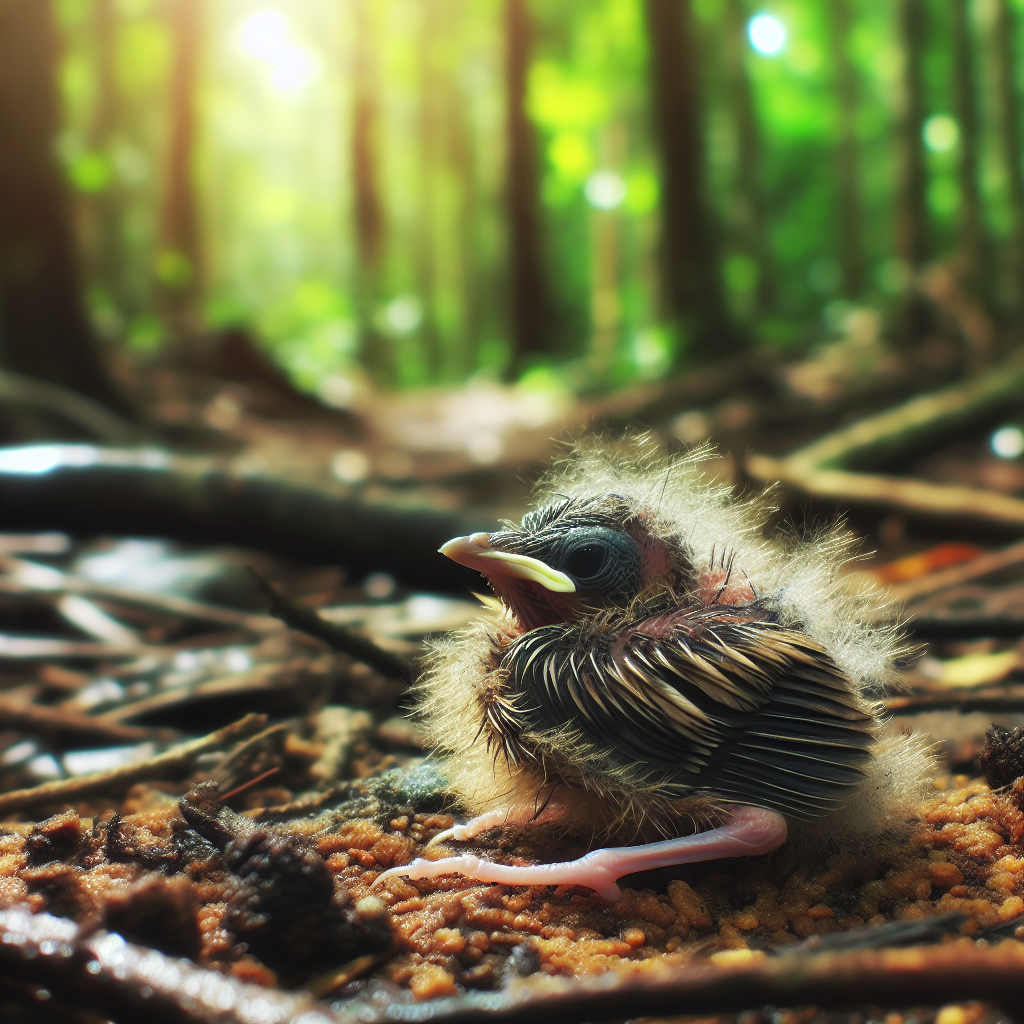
(179, 261)
(529, 306)
(106, 205)
(972, 243)
(1008, 101)
(472, 277)
(851, 256)
(755, 231)
(368, 206)
(426, 208)
(44, 331)
(913, 241)
(692, 272)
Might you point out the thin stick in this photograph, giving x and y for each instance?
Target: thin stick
(36, 718)
(932, 501)
(65, 790)
(954, 575)
(337, 637)
(45, 579)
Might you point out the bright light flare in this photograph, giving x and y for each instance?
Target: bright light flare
(267, 37)
(941, 133)
(1008, 442)
(605, 190)
(767, 34)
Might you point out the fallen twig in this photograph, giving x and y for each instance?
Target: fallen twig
(286, 677)
(172, 760)
(107, 974)
(997, 700)
(33, 648)
(36, 718)
(337, 637)
(824, 468)
(958, 625)
(955, 575)
(87, 490)
(32, 577)
(104, 974)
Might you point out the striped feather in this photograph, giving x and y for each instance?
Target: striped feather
(734, 707)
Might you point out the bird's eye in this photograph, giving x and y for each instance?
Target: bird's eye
(585, 561)
(600, 560)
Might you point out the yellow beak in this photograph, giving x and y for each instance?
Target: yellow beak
(477, 552)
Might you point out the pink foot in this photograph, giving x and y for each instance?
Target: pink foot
(519, 814)
(749, 832)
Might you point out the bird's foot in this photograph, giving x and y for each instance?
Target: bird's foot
(749, 832)
(517, 814)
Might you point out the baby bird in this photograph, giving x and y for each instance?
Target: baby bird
(653, 664)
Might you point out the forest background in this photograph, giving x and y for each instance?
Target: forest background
(576, 195)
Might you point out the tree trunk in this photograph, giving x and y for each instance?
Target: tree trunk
(851, 253)
(912, 234)
(912, 222)
(426, 256)
(179, 264)
(972, 241)
(474, 283)
(106, 206)
(367, 204)
(1009, 133)
(44, 329)
(528, 301)
(754, 227)
(691, 271)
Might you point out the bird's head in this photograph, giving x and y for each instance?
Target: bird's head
(571, 558)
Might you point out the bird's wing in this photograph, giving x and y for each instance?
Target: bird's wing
(718, 699)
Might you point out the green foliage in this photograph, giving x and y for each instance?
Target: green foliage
(420, 297)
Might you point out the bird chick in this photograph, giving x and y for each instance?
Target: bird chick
(652, 665)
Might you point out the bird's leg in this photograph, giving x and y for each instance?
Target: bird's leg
(750, 831)
(521, 813)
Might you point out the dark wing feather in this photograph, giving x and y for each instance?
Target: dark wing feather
(734, 706)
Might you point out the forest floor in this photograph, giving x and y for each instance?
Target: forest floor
(138, 801)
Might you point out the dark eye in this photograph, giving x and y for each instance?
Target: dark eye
(601, 560)
(586, 561)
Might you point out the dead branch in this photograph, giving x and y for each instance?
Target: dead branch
(126, 982)
(83, 412)
(336, 636)
(921, 975)
(956, 575)
(88, 490)
(996, 700)
(904, 494)
(120, 979)
(36, 718)
(31, 577)
(288, 677)
(34, 648)
(824, 469)
(957, 625)
(173, 760)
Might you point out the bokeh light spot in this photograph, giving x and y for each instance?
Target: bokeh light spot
(941, 133)
(266, 36)
(1008, 442)
(605, 190)
(767, 34)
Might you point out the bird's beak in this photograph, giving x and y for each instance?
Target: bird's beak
(478, 553)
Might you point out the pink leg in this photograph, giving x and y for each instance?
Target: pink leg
(518, 814)
(749, 832)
